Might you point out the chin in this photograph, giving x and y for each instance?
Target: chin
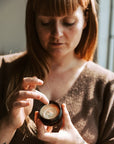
(57, 52)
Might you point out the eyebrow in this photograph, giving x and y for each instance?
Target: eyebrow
(66, 16)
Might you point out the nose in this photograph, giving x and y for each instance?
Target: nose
(57, 30)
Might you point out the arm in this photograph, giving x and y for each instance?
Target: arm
(6, 131)
(20, 106)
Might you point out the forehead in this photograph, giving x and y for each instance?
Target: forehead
(55, 7)
(78, 13)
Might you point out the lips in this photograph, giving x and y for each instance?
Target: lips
(56, 44)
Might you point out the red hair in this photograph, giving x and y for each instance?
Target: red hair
(87, 44)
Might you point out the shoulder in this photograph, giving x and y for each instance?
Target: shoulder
(12, 60)
(98, 72)
(12, 63)
(11, 57)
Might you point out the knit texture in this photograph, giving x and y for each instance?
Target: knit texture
(90, 102)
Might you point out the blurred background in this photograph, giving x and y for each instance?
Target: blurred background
(12, 30)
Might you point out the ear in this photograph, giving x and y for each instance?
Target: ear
(86, 15)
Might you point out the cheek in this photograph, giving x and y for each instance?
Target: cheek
(75, 34)
(74, 37)
(43, 36)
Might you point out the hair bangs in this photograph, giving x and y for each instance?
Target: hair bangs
(55, 7)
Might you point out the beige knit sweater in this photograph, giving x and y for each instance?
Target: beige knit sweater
(90, 102)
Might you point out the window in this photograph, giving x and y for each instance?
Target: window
(106, 34)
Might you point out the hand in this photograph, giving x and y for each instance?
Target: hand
(67, 134)
(21, 103)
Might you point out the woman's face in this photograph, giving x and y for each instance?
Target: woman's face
(60, 35)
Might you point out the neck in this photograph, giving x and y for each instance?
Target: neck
(65, 63)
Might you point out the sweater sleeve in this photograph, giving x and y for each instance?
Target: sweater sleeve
(0, 80)
(1, 86)
(6, 63)
(106, 124)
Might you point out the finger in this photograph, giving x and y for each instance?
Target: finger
(40, 129)
(29, 82)
(20, 104)
(22, 94)
(50, 137)
(44, 132)
(66, 117)
(30, 87)
(36, 117)
(49, 129)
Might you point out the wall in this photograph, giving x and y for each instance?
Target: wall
(12, 26)
(12, 29)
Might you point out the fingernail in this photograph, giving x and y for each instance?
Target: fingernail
(40, 81)
(64, 104)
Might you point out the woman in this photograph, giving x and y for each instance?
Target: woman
(61, 40)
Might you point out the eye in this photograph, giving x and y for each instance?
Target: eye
(68, 24)
(68, 21)
(45, 23)
(44, 20)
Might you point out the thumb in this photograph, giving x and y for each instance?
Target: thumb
(39, 124)
(41, 128)
(66, 118)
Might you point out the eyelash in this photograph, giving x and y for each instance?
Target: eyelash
(64, 23)
(69, 24)
(45, 24)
